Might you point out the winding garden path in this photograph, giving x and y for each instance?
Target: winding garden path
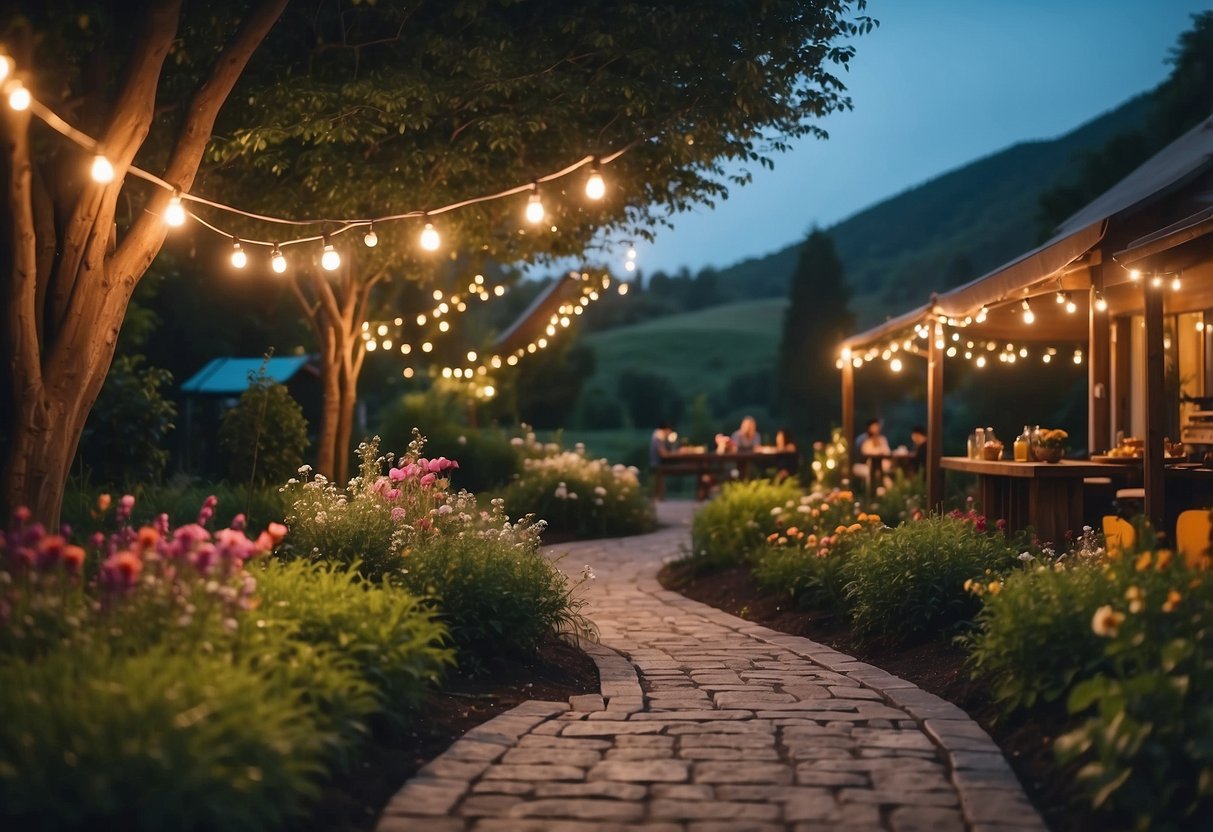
(709, 723)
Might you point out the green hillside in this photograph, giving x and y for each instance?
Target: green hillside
(945, 231)
(699, 352)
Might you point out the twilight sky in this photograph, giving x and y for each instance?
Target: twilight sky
(940, 83)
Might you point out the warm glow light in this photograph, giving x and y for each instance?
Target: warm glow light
(387, 343)
(371, 238)
(512, 360)
(443, 326)
(174, 214)
(981, 361)
(277, 261)
(1023, 352)
(1156, 281)
(1200, 326)
(6, 66)
(1028, 315)
(1176, 284)
(1071, 306)
(18, 96)
(496, 362)
(489, 391)
(371, 346)
(405, 349)
(239, 258)
(1077, 356)
(534, 209)
(421, 319)
(951, 352)
(471, 355)
(551, 330)
(330, 259)
(1046, 358)
(437, 294)
(1101, 303)
(895, 365)
(1061, 297)
(430, 240)
(408, 372)
(102, 170)
(857, 362)
(382, 329)
(1134, 274)
(595, 186)
(982, 314)
(427, 347)
(447, 372)
(498, 290)
(478, 280)
(846, 353)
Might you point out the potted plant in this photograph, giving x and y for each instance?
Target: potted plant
(1051, 445)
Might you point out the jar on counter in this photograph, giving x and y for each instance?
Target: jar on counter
(1023, 445)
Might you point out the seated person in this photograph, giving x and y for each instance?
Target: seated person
(784, 441)
(746, 438)
(871, 443)
(918, 435)
(659, 443)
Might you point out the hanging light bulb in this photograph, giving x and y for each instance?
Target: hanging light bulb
(239, 258)
(1176, 283)
(6, 67)
(1134, 275)
(1077, 356)
(18, 96)
(174, 214)
(895, 365)
(1061, 297)
(430, 240)
(277, 260)
(1156, 281)
(1029, 316)
(330, 259)
(534, 207)
(981, 361)
(1071, 306)
(982, 314)
(370, 238)
(595, 186)
(1046, 358)
(102, 171)
(1101, 303)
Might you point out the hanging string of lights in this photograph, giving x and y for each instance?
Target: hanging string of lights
(178, 211)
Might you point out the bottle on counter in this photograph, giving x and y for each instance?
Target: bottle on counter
(979, 442)
(1023, 445)
(1033, 442)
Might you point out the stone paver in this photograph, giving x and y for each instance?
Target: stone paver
(708, 723)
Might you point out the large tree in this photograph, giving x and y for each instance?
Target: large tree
(375, 109)
(147, 81)
(817, 318)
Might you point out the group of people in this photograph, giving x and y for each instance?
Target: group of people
(745, 439)
(872, 448)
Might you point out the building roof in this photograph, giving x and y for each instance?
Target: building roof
(232, 375)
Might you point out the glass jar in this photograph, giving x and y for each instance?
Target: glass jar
(1023, 444)
(979, 442)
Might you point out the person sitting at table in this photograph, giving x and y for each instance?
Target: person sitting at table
(659, 443)
(870, 444)
(918, 435)
(784, 441)
(746, 438)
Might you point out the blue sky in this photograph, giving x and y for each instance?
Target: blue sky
(940, 83)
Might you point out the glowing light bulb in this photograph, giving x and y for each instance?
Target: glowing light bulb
(1156, 281)
(437, 294)
(1046, 358)
(277, 261)
(498, 290)
(1061, 297)
(427, 347)
(1071, 306)
(981, 361)
(595, 185)
(489, 391)
(1200, 326)
(6, 67)
(371, 346)
(239, 258)
(1134, 275)
(512, 360)
(1176, 284)
(174, 214)
(471, 355)
(982, 314)
(371, 239)
(1101, 303)
(1077, 356)
(382, 329)
(534, 208)
(430, 240)
(623, 288)
(330, 259)
(630, 265)
(895, 365)
(102, 171)
(631, 253)
(443, 326)
(18, 96)
(408, 372)
(496, 362)
(1029, 316)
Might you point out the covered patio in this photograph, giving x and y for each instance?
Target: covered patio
(1124, 287)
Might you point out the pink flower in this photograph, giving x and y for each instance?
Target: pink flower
(122, 569)
(392, 495)
(1001, 524)
(424, 523)
(276, 531)
(428, 480)
(412, 471)
(397, 514)
(396, 474)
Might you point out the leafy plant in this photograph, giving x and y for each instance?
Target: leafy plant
(736, 523)
(125, 436)
(265, 434)
(910, 581)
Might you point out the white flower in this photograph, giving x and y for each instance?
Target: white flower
(516, 441)
(1026, 556)
(600, 491)
(778, 510)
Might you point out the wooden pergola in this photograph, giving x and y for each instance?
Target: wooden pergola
(1141, 252)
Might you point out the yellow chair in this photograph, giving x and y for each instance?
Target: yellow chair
(1192, 532)
(1119, 535)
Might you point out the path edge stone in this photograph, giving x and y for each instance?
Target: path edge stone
(991, 796)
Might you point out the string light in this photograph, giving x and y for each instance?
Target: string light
(895, 365)
(595, 186)
(6, 67)
(1062, 297)
(1101, 303)
(982, 314)
(277, 260)
(981, 361)
(1176, 283)
(174, 214)
(370, 239)
(330, 259)
(430, 239)
(1077, 356)
(102, 171)
(239, 258)
(18, 96)
(1156, 281)
(534, 207)
(1029, 316)
(1134, 275)
(1071, 306)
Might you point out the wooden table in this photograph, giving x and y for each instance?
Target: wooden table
(1046, 496)
(701, 464)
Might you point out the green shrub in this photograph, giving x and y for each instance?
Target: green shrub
(1145, 745)
(735, 524)
(265, 435)
(394, 641)
(582, 497)
(125, 436)
(910, 581)
(155, 741)
(902, 500)
(814, 576)
(498, 599)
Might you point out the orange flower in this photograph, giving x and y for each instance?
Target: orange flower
(73, 558)
(148, 537)
(1164, 559)
(994, 587)
(1173, 599)
(103, 502)
(1143, 561)
(1106, 621)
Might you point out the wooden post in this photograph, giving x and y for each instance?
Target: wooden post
(848, 412)
(1122, 364)
(1156, 410)
(1099, 377)
(935, 418)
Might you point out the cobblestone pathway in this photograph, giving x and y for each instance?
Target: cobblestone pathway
(709, 724)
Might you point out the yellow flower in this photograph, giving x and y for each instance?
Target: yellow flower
(1143, 561)
(854, 527)
(994, 587)
(1164, 559)
(1173, 599)
(1106, 621)
(1136, 599)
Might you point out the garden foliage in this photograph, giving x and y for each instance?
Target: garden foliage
(264, 436)
(738, 522)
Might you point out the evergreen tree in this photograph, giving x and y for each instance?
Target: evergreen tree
(817, 318)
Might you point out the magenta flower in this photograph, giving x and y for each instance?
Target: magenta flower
(428, 480)
(396, 474)
(398, 514)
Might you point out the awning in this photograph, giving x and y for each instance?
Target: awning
(231, 375)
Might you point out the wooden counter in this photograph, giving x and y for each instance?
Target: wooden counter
(1046, 496)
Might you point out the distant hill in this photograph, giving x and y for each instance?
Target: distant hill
(945, 231)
